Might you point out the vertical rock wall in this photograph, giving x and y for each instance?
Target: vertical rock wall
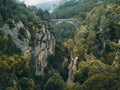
(43, 45)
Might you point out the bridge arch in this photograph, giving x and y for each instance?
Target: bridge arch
(55, 22)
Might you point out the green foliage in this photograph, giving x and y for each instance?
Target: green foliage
(55, 62)
(46, 16)
(1, 21)
(10, 22)
(26, 84)
(39, 82)
(81, 75)
(72, 8)
(43, 15)
(64, 31)
(95, 75)
(114, 46)
(21, 13)
(13, 68)
(82, 34)
(22, 33)
(7, 46)
(69, 43)
(76, 86)
(111, 57)
(55, 83)
(102, 82)
(10, 88)
(3, 43)
(98, 33)
(99, 28)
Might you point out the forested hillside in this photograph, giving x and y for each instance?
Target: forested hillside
(37, 56)
(96, 43)
(76, 7)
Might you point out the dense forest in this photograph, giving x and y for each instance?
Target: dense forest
(84, 58)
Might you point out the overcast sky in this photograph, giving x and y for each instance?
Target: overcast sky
(34, 2)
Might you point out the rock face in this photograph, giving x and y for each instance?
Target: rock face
(72, 68)
(43, 45)
(117, 56)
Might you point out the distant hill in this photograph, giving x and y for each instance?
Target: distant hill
(51, 4)
(48, 5)
(71, 8)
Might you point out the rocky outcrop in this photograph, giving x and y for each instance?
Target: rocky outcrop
(117, 56)
(43, 45)
(72, 68)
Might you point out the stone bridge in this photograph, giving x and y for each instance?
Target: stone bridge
(73, 21)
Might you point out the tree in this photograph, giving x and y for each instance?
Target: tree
(26, 84)
(81, 75)
(46, 15)
(40, 13)
(55, 83)
(102, 82)
(13, 68)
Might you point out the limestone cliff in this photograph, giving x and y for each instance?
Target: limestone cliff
(42, 46)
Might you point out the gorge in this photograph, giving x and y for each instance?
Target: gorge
(74, 47)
